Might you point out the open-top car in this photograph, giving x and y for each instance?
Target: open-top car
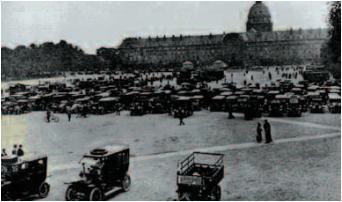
(199, 175)
(23, 177)
(103, 170)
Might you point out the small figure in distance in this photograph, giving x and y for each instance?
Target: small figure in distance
(14, 151)
(259, 133)
(3, 153)
(267, 129)
(20, 151)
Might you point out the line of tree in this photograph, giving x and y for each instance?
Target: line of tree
(50, 59)
(332, 49)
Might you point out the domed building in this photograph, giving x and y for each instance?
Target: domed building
(259, 45)
(259, 18)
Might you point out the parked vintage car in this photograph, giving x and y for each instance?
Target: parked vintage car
(294, 107)
(275, 108)
(231, 103)
(103, 170)
(23, 177)
(182, 104)
(199, 175)
(316, 105)
(217, 103)
(334, 103)
(108, 104)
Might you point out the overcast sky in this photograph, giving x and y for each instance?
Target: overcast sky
(91, 25)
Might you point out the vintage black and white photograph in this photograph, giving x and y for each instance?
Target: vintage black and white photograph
(171, 100)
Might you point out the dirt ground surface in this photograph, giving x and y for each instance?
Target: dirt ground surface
(304, 163)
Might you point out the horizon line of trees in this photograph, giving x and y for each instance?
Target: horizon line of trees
(41, 60)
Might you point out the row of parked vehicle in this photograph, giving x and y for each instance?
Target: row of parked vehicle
(104, 170)
(277, 101)
(100, 96)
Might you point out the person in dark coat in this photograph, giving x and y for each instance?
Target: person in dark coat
(48, 115)
(14, 151)
(230, 112)
(181, 117)
(69, 114)
(3, 153)
(20, 151)
(267, 129)
(259, 133)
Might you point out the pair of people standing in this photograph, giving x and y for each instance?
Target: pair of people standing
(15, 152)
(267, 130)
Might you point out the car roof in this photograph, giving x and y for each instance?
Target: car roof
(18, 160)
(110, 149)
(334, 96)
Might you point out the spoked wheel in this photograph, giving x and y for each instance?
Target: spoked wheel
(96, 194)
(185, 196)
(70, 194)
(216, 193)
(43, 190)
(126, 183)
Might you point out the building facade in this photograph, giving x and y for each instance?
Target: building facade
(260, 45)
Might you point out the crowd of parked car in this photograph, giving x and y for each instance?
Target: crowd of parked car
(135, 92)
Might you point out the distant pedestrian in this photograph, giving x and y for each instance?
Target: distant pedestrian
(14, 151)
(3, 153)
(259, 133)
(69, 115)
(267, 129)
(48, 115)
(20, 151)
(181, 117)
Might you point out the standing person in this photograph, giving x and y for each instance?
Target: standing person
(267, 129)
(230, 112)
(14, 151)
(48, 115)
(20, 151)
(3, 152)
(69, 114)
(259, 133)
(181, 117)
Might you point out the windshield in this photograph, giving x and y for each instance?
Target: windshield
(90, 163)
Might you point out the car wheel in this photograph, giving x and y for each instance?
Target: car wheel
(217, 193)
(70, 193)
(95, 194)
(43, 190)
(126, 183)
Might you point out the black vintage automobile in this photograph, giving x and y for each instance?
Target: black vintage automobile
(103, 169)
(183, 105)
(334, 103)
(198, 177)
(23, 177)
(294, 107)
(316, 105)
